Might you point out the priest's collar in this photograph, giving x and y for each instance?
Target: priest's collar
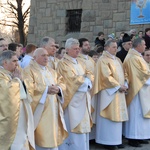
(137, 52)
(112, 56)
(73, 60)
(42, 67)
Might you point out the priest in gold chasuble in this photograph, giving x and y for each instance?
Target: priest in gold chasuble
(16, 118)
(109, 85)
(90, 64)
(46, 88)
(137, 74)
(77, 105)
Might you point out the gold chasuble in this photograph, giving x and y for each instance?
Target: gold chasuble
(14, 109)
(52, 62)
(9, 108)
(88, 61)
(50, 131)
(78, 103)
(90, 65)
(136, 73)
(109, 74)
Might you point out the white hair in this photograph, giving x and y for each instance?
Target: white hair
(37, 51)
(70, 42)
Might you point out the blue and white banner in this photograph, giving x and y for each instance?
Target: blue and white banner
(140, 12)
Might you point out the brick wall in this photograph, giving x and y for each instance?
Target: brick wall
(48, 18)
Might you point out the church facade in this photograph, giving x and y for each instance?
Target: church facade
(62, 19)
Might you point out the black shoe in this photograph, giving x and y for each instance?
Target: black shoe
(134, 143)
(92, 142)
(143, 141)
(121, 146)
(111, 147)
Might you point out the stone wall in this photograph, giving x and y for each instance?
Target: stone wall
(48, 18)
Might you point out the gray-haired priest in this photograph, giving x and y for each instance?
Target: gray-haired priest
(77, 103)
(16, 119)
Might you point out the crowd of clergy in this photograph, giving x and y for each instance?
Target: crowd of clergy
(61, 99)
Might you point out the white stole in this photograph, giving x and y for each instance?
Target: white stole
(25, 129)
(79, 100)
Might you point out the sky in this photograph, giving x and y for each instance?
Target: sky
(8, 32)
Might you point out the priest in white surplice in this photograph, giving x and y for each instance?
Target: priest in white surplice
(77, 103)
(138, 97)
(110, 89)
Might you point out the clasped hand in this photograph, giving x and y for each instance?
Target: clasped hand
(53, 89)
(123, 88)
(17, 73)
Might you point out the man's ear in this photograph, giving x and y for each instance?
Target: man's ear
(5, 62)
(67, 50)
(34, 57)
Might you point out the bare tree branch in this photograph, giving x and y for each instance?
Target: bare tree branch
(11, 5)
(15, 17)
(5, 24)
(26, 13)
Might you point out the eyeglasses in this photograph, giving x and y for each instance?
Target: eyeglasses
(3, 45)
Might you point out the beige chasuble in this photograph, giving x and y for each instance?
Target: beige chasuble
(134, 61)
(88, 61)
(78, 103)
(90, 65)
(51, 129)
(16, 114)
(109, 74)
(53, 61)
(137, 73)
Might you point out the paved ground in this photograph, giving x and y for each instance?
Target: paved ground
(127, 147)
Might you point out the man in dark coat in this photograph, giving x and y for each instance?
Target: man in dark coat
(147, 37)
(100, 39)
(126, 45)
